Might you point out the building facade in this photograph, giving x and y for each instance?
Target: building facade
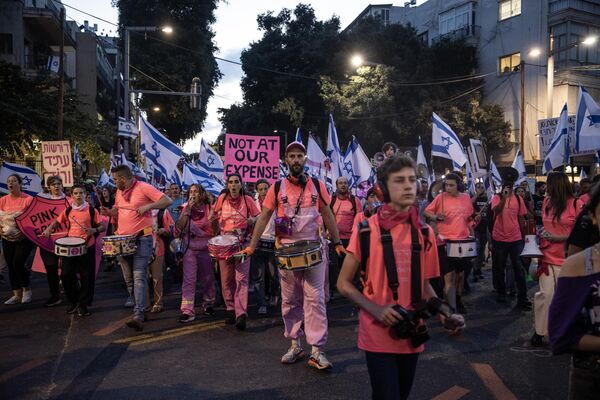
(537, 44)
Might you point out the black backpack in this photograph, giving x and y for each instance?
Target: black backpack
(352, 200)
(92, 211)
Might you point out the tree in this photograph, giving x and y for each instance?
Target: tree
(172, 61)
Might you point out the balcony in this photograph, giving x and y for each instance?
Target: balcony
(36, 63)
(43, 21)
(467, 32)
(580, 10)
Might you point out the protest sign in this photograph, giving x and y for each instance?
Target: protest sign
(56, 157)
(36, 218)
(546, 128)
(253, 157)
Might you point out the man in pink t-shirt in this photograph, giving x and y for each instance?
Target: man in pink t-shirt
(391, 360)
(509, 212)
(133, 204)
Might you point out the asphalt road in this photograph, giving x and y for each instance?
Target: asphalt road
(46, 354)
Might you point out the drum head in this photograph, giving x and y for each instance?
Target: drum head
(299, 248)
(224, 240)
(70, 241)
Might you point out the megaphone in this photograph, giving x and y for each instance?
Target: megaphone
(379, 157)
(531, 248)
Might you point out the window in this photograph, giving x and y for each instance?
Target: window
(6, 45)
(385, 16)
(508, 9)
(455, 18)
(510, 63)
(424, 38)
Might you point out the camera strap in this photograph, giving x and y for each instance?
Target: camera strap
(390, 264)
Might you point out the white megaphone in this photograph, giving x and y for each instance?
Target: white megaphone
(531, 248)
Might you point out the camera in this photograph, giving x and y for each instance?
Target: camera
(413, 326)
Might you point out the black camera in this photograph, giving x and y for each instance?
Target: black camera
(413, 326)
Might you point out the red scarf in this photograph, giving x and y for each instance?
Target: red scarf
(389, 218)
(127, 192)
(197, 213)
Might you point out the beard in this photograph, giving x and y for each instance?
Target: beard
(296, 170)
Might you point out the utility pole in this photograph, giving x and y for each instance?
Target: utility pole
(522, 69)
(61, 75)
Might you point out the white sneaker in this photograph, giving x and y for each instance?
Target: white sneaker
(27, 295)
(262, 310)
(319, 361)
(13, 300)
(293, 354)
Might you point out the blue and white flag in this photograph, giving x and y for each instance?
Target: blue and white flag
(587, 123)
(470, 178)
(445, 143)
(582, 175)
(210, 162)
(105, 179)
(334, 153)
(519, 165)
(421, 160)
(127, 129)
(283, 170)
(177, 178)
(76, 154)
(357, 166)
(159, 151)
(192, 174)
(316, 160)
(298, 136)
(495, 174)
(137, 171)
(558, 152)
(32, 184)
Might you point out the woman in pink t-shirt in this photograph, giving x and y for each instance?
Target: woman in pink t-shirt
(15, 246)
(392, 361)
(559, 212)
(236, 213)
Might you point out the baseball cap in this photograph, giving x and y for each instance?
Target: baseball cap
(295, 145)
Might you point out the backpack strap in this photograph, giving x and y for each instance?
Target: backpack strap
(353, 201)
(365, 246)
(159, 218)
(333, 200)
(315, 182)
(390, 261)
(415, 263)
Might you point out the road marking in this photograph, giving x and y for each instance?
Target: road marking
(112, 327)
(176, 334)
(492, 381)
(170, 333)
(454, 393)
(29, 365)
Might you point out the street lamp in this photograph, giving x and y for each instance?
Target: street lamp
(356, 60)
(156, 109)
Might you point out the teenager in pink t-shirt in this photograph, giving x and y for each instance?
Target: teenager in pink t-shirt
(559, 212)
(391, 361)
(452, 210)
(78, 218)
(133, 204)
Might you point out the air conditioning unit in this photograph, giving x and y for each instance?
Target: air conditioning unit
(413, 2)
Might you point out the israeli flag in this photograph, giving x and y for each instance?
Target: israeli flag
(283, 170)
(421, 160)
(76, 154)
(316, 160)
(159, 151)
(210, 162)
(519, 165)
(105, 179)
(32, 184)
(445, 143)
(298, 136)
(587, 122)
(127, 129)
(334, 153)
(192, 174)
(558, 152)
(582, 175)
(495, 174)
(137, 171)
(177, 178)
(357, 166)
(489, 186)
(470, 178)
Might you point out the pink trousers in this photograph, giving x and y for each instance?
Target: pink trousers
(234, 285)
(197, 265)
(303, 300)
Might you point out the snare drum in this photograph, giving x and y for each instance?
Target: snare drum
(223, 247)
(465, 248)
(299, 256)
(119, 245)
(266, 244)
(70, 247)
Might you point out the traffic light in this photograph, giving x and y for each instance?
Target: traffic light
(195, 98)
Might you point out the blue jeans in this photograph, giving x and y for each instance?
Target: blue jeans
(135, 273)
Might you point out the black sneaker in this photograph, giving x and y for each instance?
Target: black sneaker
(185, 318)
(240, 322)
(230, 318)
(136, 324)
(71, 308)
(209, 311)
(83, 311)
(537, 340)
(52, 301)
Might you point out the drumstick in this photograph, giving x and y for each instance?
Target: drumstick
(54, 234)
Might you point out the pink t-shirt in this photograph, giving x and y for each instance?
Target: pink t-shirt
(167, 224)
(78, 220)
(293, 191)
(584, 198)
(344, 217)
(457, 212)
(235, 217)
(506, 226)
(8, 203)
(129, 222)
(554, 252)
(373, 336)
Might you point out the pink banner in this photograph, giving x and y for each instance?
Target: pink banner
(253, 157)
(41, 213)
